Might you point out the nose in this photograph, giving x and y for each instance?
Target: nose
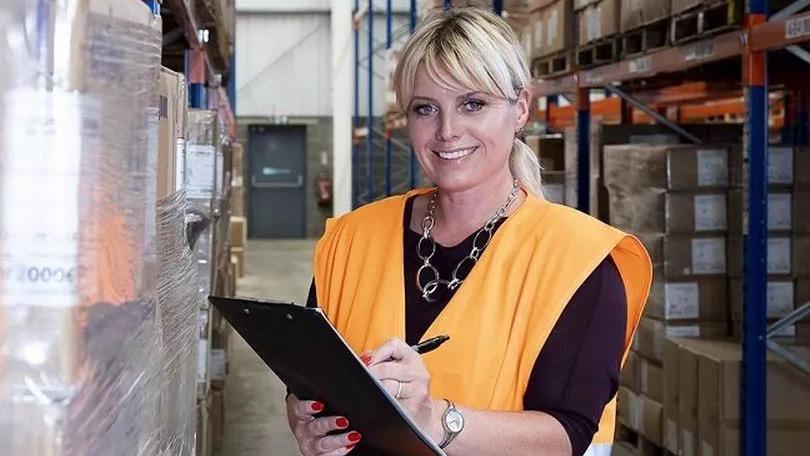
(449, 128)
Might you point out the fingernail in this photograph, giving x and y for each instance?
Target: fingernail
(317, 407)
(354, 437)
(366, 359)
(342, 423)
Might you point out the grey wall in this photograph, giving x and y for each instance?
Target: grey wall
(319, 139)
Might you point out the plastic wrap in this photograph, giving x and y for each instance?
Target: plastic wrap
(81, 342)
(177, 306)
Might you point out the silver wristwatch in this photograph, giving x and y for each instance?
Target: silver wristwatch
(452, 423)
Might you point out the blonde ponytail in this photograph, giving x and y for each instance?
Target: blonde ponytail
(526, 168)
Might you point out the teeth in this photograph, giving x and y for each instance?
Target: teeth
(456, 154)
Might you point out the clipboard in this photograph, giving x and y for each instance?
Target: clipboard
(305, 351)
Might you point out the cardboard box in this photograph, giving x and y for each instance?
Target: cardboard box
(598, 20)
(699, 255)
(238, 232)
(781, 206)
(633, 168)
(630, 372)
(580, 4)
(552, 28)
(632, 15)
(670, 392)
(167, 165)
(688, 428)
(651, 419)
(550, 152)
(652, 379)
(237, 202)
(649, 340)
(719, 408)
(239, 254)
(654, 10)
(781, 294)
(670, 212)
(787, 255)
(703, 298)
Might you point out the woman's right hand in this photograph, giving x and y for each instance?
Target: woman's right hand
(312, 432)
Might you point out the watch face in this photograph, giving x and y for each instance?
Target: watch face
(454, 421)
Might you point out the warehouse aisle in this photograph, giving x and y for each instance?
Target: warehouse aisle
(255, 420)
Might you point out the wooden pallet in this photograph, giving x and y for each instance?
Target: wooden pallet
(635, 443)
(552, 65)
(645, 38)
(598, 52)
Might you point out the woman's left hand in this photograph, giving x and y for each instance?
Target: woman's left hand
(405, 377)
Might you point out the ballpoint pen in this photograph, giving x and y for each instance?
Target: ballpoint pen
(430, 344)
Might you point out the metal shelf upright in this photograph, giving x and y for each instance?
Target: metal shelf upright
(760, 34)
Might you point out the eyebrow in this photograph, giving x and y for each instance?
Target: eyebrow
(460, 97)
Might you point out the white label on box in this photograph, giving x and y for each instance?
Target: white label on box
(779, 255)
(671, 435)
(202, 360)
(779, 209)
(641, 65)
(710, 212)
(700, 51)
(220, 174)
(709, 256)
(200, 169)
(47, 137)
(180, 163)
(712, 167)
(780, 165)
(707, 450)
(683, 331)
(688, 441)
(681, 301)
(780, 299)
(551, 29)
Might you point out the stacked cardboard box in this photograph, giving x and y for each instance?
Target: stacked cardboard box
(674, 198)
(550, 152)
(552, 23)
(788, 262)
(636, 13)
(702, 412)
(596, 19)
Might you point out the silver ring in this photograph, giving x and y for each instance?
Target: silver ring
(399, 389)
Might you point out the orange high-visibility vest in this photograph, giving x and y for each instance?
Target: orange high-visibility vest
(500, 317)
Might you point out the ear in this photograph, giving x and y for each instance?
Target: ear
(522, 108)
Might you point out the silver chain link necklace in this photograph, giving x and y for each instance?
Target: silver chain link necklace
(426, 247)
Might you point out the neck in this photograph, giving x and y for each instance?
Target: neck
(462, 212)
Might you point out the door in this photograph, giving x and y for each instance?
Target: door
(277, 196)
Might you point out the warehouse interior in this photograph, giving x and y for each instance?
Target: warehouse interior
(156, 152)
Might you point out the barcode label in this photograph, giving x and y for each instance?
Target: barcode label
(700, 51)
(798, 27)
(641, 65)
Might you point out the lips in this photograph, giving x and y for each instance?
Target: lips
(455, 154)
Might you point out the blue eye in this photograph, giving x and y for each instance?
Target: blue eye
(423, 110)
(473, 105)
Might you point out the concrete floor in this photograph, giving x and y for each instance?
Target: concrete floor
(255, 415)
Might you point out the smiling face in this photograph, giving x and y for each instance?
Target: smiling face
(462, 137)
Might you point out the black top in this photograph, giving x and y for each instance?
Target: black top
(577, 371)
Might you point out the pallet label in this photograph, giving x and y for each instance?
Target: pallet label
(641, 65)
(798, 27)
(700, 51)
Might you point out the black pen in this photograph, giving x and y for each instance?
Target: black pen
(430, 344)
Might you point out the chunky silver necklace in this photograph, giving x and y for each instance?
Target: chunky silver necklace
(426, 247)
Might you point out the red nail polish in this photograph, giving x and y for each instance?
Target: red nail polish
(366, 359)
(342, 423)
(354, 437)
(317, 407)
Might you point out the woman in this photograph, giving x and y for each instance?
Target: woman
(540, 301)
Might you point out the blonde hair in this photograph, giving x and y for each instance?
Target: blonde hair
(479, 51)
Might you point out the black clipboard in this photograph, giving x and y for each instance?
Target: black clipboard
(305, 351)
